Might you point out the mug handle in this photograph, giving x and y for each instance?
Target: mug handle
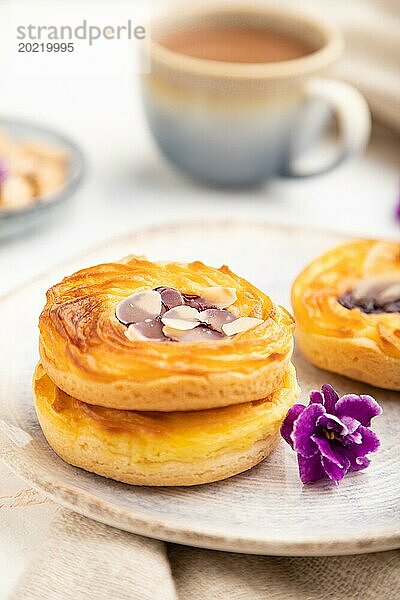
(353, 118)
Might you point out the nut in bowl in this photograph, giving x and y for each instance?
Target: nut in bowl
(39, 169)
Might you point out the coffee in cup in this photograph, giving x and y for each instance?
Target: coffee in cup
(228, 88)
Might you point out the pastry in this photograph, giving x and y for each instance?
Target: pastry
(158, 448)
(347, 309)
(140, 335)
(163, 373)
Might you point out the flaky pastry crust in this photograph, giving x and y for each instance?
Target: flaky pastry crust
(362, 346)
(178, 448)
(84, 350)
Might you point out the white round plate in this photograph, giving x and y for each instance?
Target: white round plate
(264, 511)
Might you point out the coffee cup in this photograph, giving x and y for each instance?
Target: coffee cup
(242, 117)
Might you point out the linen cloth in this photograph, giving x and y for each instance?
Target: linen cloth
(371, 60)
(83, 559)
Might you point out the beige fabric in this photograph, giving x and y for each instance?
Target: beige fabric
(203, 575)
(372, 58)
(84, 560)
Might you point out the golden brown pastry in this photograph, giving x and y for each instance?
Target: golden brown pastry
(150, 448)
(347, 310)
(234, 345)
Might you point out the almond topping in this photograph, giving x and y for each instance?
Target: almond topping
(133, 334)
(198, 334)
(376, 287)
(218, 296)
(182, 312)
(241, 325)
(391, 294)
(151, 329)
(182, 318)
(170, 297)
(138, 307)
(216, 317)
(181, 324)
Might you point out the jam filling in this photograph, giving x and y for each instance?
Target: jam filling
(374, 296)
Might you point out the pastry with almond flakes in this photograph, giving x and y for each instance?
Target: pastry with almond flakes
(347, 309)
(163, 373)
(141, 335)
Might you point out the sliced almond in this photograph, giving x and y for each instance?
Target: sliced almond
(138, 307)
(219, 296)
(194, 301)
(174, 334)
(216, 317)
(170, 297)
(151, 329)
(181, 317)
(241, 325)
(198, 334)
(181, 324)
(186, 313)
(182, 312)
(391, 294)
(369, 287)
(133, 334)
(383, 288)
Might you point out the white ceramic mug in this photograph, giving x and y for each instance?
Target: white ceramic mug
(242, 123)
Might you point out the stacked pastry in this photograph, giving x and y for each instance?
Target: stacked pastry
(163, 373)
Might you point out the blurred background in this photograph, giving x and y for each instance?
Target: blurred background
(92, 95)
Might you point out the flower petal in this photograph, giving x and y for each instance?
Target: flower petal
(369, 442)
(329, 450)
(316, 397)
(358, 464)
(310, 469)
(333, 423)
(304, 427)
(355, 437)
(334, 471)
(351, 424)
(363, 408)
(287, 425)
(330, 397)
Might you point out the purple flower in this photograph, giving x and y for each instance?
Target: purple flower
(3, 171)
(331, 435)
(397, 213)
(397, 209)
